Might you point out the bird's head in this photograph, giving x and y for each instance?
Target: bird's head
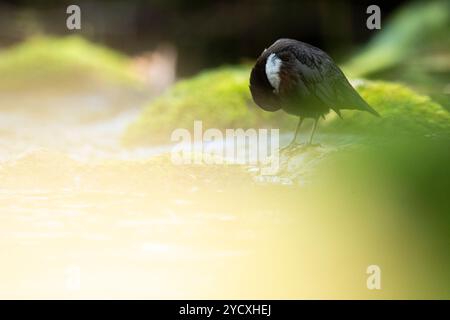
(264, 82)
(274, 68)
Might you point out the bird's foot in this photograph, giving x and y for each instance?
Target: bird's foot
(312, 145)
(287, 147)
(290, 147)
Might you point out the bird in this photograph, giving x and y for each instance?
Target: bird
(303, 81)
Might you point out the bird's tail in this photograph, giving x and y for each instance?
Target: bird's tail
(360, 104)
(369, 109)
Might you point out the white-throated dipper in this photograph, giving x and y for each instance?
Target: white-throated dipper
(303, 81)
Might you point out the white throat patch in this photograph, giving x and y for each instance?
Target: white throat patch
(273, 65)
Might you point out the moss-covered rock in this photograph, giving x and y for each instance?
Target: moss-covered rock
(220, 98)
(401, 109)
(63, 63)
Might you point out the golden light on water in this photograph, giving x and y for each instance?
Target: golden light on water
(149, 229)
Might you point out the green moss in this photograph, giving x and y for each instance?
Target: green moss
(220, 98)
(402, 111)
(47, 62)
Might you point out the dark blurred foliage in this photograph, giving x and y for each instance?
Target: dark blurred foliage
(206, 33)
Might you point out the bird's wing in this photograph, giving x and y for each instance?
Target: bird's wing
(323, 79)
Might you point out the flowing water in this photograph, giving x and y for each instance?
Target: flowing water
(83, 217)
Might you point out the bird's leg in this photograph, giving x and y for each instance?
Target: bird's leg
(313, 131)
(292, 143)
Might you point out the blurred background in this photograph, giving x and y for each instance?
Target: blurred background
(91, 205)
(205, 33)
